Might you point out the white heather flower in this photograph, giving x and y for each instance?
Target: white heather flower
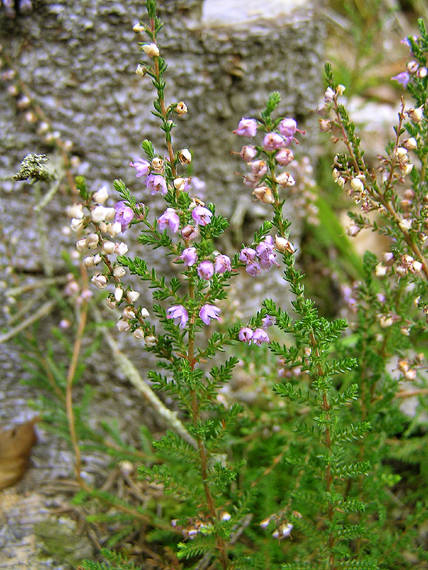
(283, 245)
(225, 516)
(128, 313)
(150, 341)
(329, 95)
(184, 156)
(407, 169)
(132, 296)
(109, 247)
(101, 195)
(97, 258)
(405, 224)
(81, 245)
(99, 214)
(412, 66)
(357, 185)
(118, 294)
(410, 143)
(75, 211)
(138, 28)
(416, 266)
(151, 50)
(76, 224)
(285, 179)
(139, 334)
(416, 114)
(340, 89)
(114, 229)
(119, 272)
(180, 183)
(88, 261)
(264, 194)
(386, 321)
(123, 325)
(422, 72)
(92, 241)
(144, 313)
(181, 108)
(380, 270)
(99, 280)
(110, 302)
(121, 248)
(141, 70)
(158, 164)
(401, 153)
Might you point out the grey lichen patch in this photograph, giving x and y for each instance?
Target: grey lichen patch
(34, 167)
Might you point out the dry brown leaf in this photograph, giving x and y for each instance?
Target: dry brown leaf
(15, 450)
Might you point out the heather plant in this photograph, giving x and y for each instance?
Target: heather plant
(305, 470)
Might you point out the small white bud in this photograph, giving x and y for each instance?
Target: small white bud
(88, 261)
(283, 245)
(139, 334)
(92, 241)
(180, 183)
(76, 224)
(225, 516)
(181, 108)
(285, 179)
(265, 522)
(357, 185)
(380, 270)
(264, 194)
(99, 280)
(158, 164)
(81, 245)
(98, 214)
(123, 326)
(184, 156)
(405, 224)
(422, 72)
(416, 114)
(138, 28)
(121, 248)
(151, 50)
(150, 341)
(119, 272)
(386, 321)
(109, 247)
(132, 296)
(329, 95)
(75, 211)
(141, 70)
(97, 258)
(416, 266)
(128, 313)
(101, 195)
(340, 89)
(410, 143)
(412, 66)
(144, 313)
(118, 294)
(114, 229)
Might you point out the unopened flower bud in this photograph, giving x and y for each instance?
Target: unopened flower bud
(88, 261)
(412, 66)
(114, 229)
(388, 257)
(225, 516)
(357, 185)
(264, 194)
(411, 143)
(416, 114)
(180, 184)
(138, 28)
(422, 72)
(189, 232)
(139, 333)
(128, 313)
(75, 211)
(409, 194)
(329, 95)
(101, 195)
(181, 108)
(118, 294)
(150, 341)
(140, 70)
(285, 179)
(157, 164)
(92, 241)
(380, 270)
(123, 326)
(340, 89)
(132, 296)
(81, 245)
(99, 280)
(76, 224)
(144, 313)
(121, 248)
(184, 156)
(151, 50)
(109, 247)
(119, 272)
(283, 245)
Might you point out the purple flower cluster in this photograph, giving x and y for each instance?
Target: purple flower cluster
(180, 315)
(206, 268)
(258, 336)
(261, 258)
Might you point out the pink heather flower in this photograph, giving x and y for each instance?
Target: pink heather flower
(273, 141)
(284, 156)
(123, 215)
(248, 153)
(206, 270)
(258, 168)
(245, 334)
(189, 232)
(259, 337)
(403, 78)
(222, 264)
(141, 167)
(170, 220)
(265, 251)
(246, 127)
(201, 215)
(287, 127)
(179, 314)
(156, 184)
(268, 321)
(189, 256)
(253, 269)
(247, 254)
(208, 312)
